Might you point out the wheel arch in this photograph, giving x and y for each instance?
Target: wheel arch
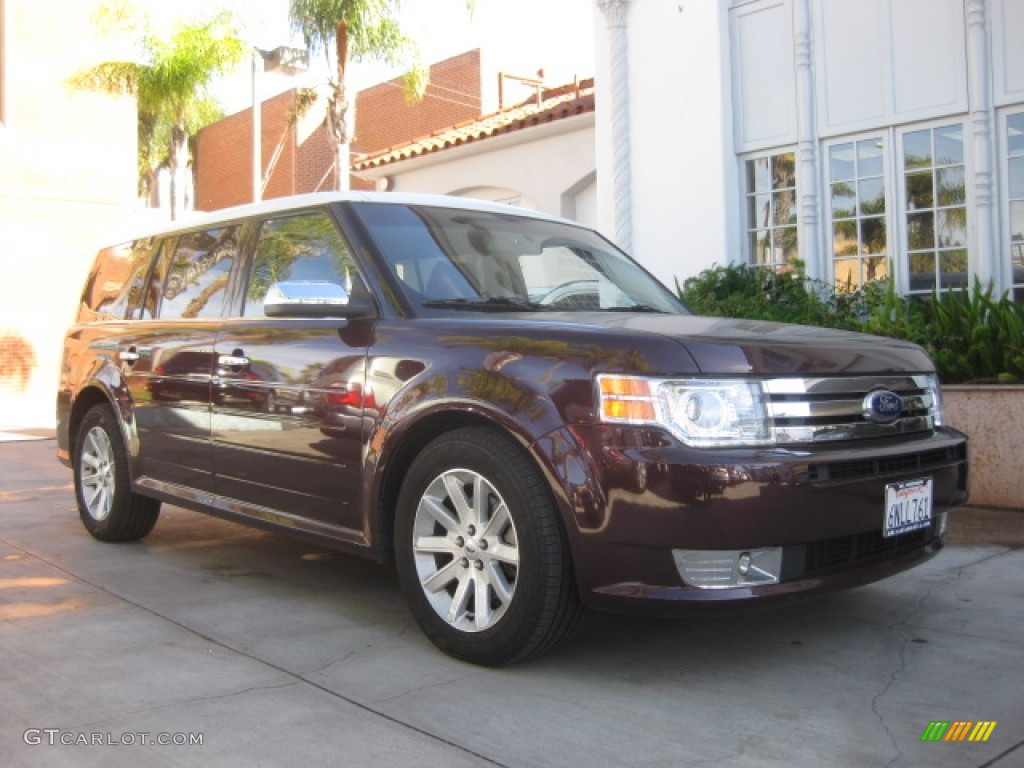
(88, 398)
(399, 456)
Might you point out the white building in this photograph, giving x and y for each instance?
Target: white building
(68, 180)
(539, 155)
(866, 138)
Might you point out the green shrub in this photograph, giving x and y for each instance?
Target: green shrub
(970, 335)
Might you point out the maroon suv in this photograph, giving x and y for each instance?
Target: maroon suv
(503, 404)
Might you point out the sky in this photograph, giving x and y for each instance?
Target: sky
(556, 34)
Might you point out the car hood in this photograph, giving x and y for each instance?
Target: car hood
(730, 346)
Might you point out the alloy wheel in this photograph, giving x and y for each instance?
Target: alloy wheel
(96, 471)
(465, 550)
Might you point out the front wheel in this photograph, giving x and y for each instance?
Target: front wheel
(480, 550)
(109, 509)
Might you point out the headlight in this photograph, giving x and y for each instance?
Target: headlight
(700, 412)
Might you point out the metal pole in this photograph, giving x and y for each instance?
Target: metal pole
(257, 134)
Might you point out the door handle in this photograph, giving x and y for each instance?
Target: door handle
(233, 361)
(129, 356)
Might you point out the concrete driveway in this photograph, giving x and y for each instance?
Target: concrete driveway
(273, 652)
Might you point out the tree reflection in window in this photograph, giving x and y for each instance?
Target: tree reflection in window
(299, 248)
(857, 194)
(195, 285)
(1015, 185)
(934, 175)
(772, 211)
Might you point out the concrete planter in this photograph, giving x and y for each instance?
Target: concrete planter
(993, 417)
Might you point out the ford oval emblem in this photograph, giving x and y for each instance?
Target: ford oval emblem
(882, 406)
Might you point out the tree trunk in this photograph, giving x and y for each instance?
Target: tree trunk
(342, 162)
(177, 165)
(340, 112)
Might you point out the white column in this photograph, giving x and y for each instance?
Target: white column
(622, 175)
(807, 146)
(988, 263)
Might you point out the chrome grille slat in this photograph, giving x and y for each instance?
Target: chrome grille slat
(832, 409)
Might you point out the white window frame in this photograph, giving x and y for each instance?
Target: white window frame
(896, 210)
(747, 251)
(885, 134)
(898, 132)
(1006, 246)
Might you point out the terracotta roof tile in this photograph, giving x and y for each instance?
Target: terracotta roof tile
(555, 104)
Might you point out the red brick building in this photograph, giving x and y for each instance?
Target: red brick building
(298, 154)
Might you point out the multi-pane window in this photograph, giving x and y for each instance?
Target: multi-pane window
(857, 199)
(935, 189)
(771, 211)
(1015, 158)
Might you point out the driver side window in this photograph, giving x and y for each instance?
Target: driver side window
(300, 248)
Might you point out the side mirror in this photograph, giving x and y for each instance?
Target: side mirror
(311, 298)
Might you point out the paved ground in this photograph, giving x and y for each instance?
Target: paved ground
(277, 653)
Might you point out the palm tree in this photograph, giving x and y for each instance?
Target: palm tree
(170, 85)
(354, 30)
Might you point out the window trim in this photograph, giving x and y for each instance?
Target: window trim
(826, 199)
(1005, 235)
(745, 194)
(899, 171)
(894, 168)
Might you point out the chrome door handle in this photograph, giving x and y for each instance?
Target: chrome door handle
(129, 356)
(233, 361)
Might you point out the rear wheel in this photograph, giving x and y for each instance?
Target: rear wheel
(480, 550)
(109, 509)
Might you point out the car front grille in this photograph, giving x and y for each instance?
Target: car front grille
(886, 465)
(833, 409)
(849, 551)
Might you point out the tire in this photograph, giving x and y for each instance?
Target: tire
(109, 509)
(476, 523)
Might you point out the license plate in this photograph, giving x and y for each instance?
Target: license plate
(908, 507)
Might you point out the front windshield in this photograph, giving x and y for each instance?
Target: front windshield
(448, 259)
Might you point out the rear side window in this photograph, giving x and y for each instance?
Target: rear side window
(299, 248)
(117, 278)
(144, 299)
(197, 280)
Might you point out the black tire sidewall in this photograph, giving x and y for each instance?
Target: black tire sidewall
(474, 450)
(131, 517)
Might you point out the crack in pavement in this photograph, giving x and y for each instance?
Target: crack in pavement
(193, 700)
(895, 627)
(1005, 753)
(425, 687)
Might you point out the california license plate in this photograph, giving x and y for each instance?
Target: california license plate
(908, 507)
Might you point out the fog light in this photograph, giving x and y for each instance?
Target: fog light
(743, 564)
(725, 568)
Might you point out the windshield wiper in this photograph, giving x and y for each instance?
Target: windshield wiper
(492, 304)
(635, 308)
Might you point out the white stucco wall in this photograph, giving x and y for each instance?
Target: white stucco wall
(67, 180)
(685, 191)
(549, 167)
(714, 83)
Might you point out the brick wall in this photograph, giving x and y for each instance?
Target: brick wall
(223, 159)
(383, 119)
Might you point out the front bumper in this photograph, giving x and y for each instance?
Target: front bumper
(635, 498)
